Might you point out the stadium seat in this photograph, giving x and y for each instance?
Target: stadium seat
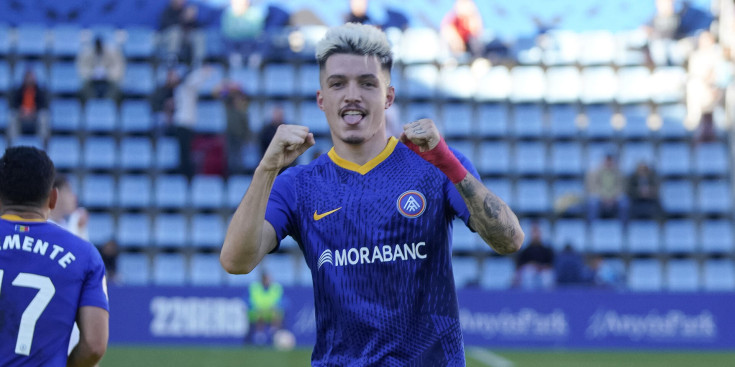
(636, 122)
(133, 269)
(629, 48)
(136, 117)
(419, 110)
(466, 271)
(210, 81)
(236, 187)
(170, 230)
(719, 275)
(5, 40)
(140, 42)
(6, 84)
(711, 159)
(28, 140)
(308, 80)
(102, 227)
(3, 143)
(457, 83)
(249, 80)
(419, 45)
(634, 153)
(279, 80)
(65, 152)
(528, 84)
(716, 236)
(210, 117)
(645, 275)
(677, 197)
(38, 68)
(714, 197)
(100, 153)
(66, 40)
(64, 78)
(563, 84)
(167, 154)
(529, 158)
(313, 118)
(599, 85)
(100, 116)
(633, 85)
(207, 231)
(206, 270)
(494, 158)
(288, 244)
(599, 125)
(493, 120)
(674, 160)
(570, 231)
(136, 192)
(532, 197)
(494, 86)
(464, 147)
(668, 84)
(502, 188)
(171, 191)
(138, 80)
(682, 275)
(133, 230)
(596, 48)
(458, 120)
(136, 154)
(281, 268)
(563, 48)
(568, 196)
(672, 122)
(66, 115)
(30, 40)
(528, 121)
(644, 237)
(98, 191)
(566, 159)
(563, 121)
(606, 236)
(420, 81)
(497, 273)
(169, 269)
(207, 192)
(463, 239)
(680, 236)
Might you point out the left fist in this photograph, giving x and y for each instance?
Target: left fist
(423, 133)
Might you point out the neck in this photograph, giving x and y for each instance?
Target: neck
(25, 212)
(363, 152)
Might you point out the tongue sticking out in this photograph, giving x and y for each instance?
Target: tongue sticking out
(352, 119)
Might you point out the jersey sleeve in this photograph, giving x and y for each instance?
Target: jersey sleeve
(456, 203)
(94, 290)
(281, 206)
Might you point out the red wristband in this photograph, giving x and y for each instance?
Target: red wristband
(442, 158)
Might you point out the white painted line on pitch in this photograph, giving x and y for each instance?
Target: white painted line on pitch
(489, 358)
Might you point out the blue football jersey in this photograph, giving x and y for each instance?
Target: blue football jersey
(46, 274)
(377, 239)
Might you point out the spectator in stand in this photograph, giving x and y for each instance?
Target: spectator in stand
(358, 12)
(109, 252)
(163, 102)
(238, 123)
(266, 308)
(67, 213)
(605, 274)
(101, 68)
(186, 98)
(570, 268)
(269, 130)
(705, 86)
(29, 109)
(606, 191)
(535, 263)
(182, 40)
(462, 29)
(643, 188)
(242, 27)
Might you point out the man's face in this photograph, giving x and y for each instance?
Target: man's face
(67, 201)
(354, 95)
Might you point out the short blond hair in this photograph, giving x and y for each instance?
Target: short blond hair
(355, 39)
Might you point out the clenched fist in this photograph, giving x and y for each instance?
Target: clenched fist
(289, 142)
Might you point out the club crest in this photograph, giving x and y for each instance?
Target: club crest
(411, 204)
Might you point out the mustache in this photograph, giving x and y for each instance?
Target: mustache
(352, 107)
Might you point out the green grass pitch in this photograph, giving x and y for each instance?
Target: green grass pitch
(118, 356)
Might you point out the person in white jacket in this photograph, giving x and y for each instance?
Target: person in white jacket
(186, 98)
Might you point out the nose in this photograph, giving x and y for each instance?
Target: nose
(352, 93)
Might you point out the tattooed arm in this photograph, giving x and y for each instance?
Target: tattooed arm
(490, 216)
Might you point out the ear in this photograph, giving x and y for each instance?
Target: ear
(390, 96)
(52, 198)
(320, 100)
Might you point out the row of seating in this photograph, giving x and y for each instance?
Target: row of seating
(489, 273)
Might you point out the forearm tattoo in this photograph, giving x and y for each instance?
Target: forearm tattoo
(490, 216)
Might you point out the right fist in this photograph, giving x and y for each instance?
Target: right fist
(288, 144)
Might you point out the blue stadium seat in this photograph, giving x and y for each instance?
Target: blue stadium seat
(214, 43)
(5, 80)
(464, 147)
(102, 227)
(419, 45)
(419, 110)
(494, 158)
(98, 191)
(672, 122)
(457, 83)
(67, 40)
(599, 126)
(313, 118)
(571, 231)
(169, 269)
(634, 153)
(207, 192)
(463, 239)
(210, 117)
(207, 231)
(568, 196)
(249, 80)
(136, 117)
(138, 79)
(170, 230)
(563, 84)
(64, 78)
(563, 121)
(206, 270)
(212, 80)
(502, 188)
(714, 197)
(136, 154)
(711, 159)
(420, 81)
(171, 191)
(680, 236)
(65, 152)
(633, 85)
(27, 140)
(566, 159)
(167, 153)
(674, 160)
(599, 85)
(38, 68)
(133, 269)
(716, 236)
(308, 80)
(140, 42)
(133, 230)
(497, 273)
(136, 192)
(596, 47)
(458, 119)
(636, 122)
(606, 236)
(281, 268)
(532, 197)
(288, 244)
(236, 187)
(563, 47)
(529, 158)
(4, 40)
(682, 275)
(677, 197)
(668, 84)
(528, 84)
(719, 275)
(493, 120)
(494, 86)
(645, 275)
(528, 121)
(100, 116)
(3, 143)
(466, 271)
(279, 80)
(644, 237)
(629, 50)
(66, 115)
(101, 153)
(30, 40)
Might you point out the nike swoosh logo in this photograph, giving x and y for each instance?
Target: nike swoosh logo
(320, 216)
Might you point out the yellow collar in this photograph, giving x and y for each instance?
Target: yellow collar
(15, 218)
(365, 168)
